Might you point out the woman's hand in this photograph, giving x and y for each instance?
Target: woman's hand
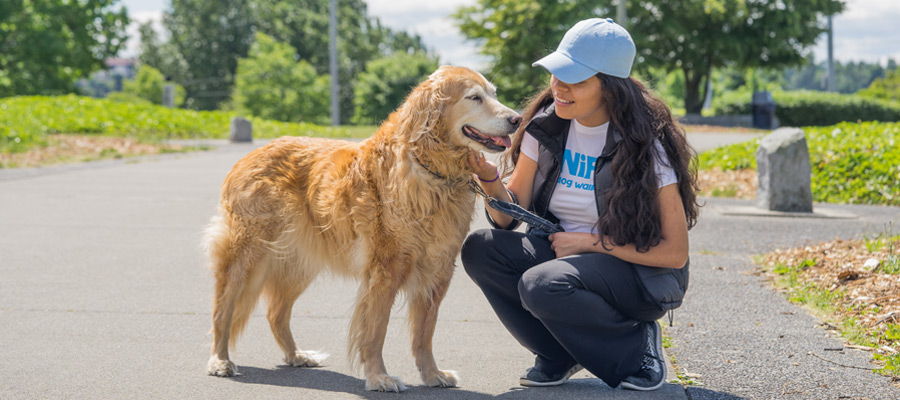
(486, 170)
(569, 243)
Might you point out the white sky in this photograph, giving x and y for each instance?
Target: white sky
(866, 31)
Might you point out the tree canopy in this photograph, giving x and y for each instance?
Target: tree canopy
(272, 84)
(46, 45)
(690, 36)
(886, 88)
(386, 82)
(515, 33)
(697, 36)
(207, 37)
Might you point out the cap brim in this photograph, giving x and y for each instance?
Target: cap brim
(565, 68)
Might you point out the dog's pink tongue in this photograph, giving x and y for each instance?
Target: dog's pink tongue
(502, 141)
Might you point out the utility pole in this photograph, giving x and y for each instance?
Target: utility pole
(620, 14)
(333, 64)
(830, 85)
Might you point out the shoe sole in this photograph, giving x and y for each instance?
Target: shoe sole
(626, 385)
(572, 371)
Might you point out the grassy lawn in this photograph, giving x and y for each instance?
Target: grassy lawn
(38, 130)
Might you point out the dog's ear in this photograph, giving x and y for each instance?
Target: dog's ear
(422, 113)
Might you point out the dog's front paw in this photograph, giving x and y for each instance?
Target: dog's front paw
(217, 367)
(442, 379)
(306, 358)
(385, 383)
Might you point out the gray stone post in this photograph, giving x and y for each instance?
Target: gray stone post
(168, 98)
(782, 165)
(241, 130)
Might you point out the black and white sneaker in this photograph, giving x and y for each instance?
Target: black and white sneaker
(536, 378)
(653, 368)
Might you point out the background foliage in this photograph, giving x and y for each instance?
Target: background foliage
(688, 36)
(26, 120)
(886, 88)
(46, 45)
(147, 85)
(208, 38)
(272, 84)
(851, 162)
(386, 82)
(808, 108)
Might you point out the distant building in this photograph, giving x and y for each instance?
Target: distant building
(124, 67)
(110, 78)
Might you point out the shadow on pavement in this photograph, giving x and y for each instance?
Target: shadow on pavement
(325, 380)
(697, 393)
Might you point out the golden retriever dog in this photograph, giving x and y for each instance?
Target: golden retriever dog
(391, 211)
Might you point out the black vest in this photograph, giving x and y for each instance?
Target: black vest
(664, 287)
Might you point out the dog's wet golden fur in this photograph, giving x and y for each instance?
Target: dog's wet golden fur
(368, 210)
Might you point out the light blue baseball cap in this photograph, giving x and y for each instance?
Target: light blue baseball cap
(591, 46)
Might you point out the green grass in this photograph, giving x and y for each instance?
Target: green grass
(851, 162)
(26, 121)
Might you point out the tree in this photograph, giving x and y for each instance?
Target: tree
(304, 25)
(47, 45)
(689, 36)
(887, 88)
(272, 84)
(384, 84)
(849, 77)
(208, 37)
(515, 33)
(695, 37)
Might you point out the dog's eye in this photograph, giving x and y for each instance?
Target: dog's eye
(475, 97)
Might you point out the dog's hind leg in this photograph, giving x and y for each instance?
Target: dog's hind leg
(237, 289)
(368, 325)
(423, 312)
(281, 295)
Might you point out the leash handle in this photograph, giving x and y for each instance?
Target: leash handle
(539, 226)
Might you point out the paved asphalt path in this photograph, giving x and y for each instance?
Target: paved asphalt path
(104, 294)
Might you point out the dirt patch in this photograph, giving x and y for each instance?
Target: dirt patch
(68, 148)
(739, 184)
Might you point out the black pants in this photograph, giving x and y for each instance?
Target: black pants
(586, 308)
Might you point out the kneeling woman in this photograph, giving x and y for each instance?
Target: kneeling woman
(602, 157)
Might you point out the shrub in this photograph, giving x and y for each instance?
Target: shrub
(270, 83)
(148, 85)
(25, 121)
(851, 162)
(384, 84)
(886, 88)
(809, 108)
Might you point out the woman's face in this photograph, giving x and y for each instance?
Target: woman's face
(580, 101)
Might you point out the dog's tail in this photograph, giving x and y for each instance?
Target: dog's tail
(238, 283)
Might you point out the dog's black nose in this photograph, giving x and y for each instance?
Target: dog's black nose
(515, 120)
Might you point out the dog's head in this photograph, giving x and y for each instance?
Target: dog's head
(458, 106)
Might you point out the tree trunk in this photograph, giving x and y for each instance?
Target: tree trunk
(693, 101)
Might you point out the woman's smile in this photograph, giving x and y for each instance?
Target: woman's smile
(561, 102)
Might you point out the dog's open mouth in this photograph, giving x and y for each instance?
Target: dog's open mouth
(498, 143)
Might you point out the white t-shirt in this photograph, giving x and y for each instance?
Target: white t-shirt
(573, 200)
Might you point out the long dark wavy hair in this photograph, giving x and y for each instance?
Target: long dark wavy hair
(632, 209)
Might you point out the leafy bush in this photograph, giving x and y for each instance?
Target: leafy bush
(271, 84)
(887, 88)
(851, 162)
(148, 85)
(124, 97)
(25, 121)
(384, 84)
(809, 108)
